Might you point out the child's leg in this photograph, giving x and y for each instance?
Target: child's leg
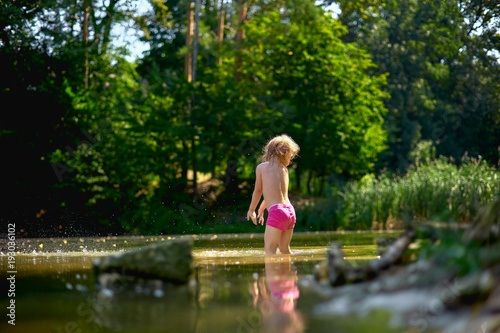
(272, 237)
(284, 242)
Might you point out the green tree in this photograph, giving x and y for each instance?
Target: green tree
(296, 55)
(443, 72)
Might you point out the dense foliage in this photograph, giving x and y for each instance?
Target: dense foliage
(444, 74)
(92, 140)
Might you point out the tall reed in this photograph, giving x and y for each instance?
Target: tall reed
(438, 190)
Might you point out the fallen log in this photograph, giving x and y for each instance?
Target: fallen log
(486, 226)
(339, 272)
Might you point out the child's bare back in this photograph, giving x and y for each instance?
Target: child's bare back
(272, 182)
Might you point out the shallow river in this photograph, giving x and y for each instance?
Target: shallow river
(235, 287)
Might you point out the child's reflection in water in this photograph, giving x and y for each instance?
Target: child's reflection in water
(277, 302)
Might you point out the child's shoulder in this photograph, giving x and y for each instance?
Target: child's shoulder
(262, 166)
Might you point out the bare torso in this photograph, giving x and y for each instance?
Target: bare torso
(274, 183)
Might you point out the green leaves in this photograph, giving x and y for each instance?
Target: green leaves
(325, 81)
(436, 71)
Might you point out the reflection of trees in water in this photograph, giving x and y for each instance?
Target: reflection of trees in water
(276, 296)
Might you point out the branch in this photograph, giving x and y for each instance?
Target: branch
(340, 273)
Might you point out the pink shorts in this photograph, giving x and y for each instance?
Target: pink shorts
(283, 289)
(281, 216)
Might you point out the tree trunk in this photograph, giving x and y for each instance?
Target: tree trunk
(107, 22)
(188, 63)
(214, 160)
(240, 35)
(85, 31)
(309, 177)
(231, 178)
(194, 164)
(195, 39)
(322, 183)
(193, 74)
(298, 176)
(242, 16)
(220, 31)
(184, 164)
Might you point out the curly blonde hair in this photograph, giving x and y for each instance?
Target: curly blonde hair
(281, 147)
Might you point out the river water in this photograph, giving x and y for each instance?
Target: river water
(235, 287)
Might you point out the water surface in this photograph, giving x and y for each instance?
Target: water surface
(235, 287)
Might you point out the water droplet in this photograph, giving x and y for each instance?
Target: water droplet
(106, 293)
(158, 293)
(69, 286)
(81, 288)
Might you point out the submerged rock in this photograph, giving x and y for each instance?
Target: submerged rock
(170, 261)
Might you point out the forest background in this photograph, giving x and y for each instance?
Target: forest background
(395, 105)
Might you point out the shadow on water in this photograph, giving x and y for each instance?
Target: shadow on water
(235, 287)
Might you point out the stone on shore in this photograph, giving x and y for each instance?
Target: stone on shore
(169, 261)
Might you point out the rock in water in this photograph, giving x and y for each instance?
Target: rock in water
(170, 261)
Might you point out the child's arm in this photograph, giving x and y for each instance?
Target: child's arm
(257, 193)
(260, 215)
